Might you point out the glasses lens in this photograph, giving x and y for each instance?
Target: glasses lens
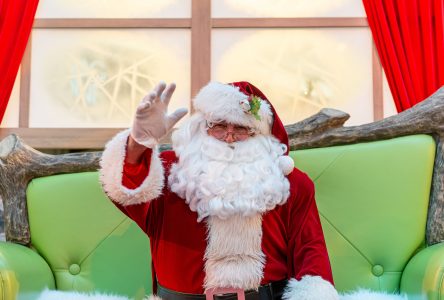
(240, 130)
(220, 131)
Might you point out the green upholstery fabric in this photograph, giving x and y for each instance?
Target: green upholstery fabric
(373, 200)
(88, 243)
(425, 272)
(22, 270)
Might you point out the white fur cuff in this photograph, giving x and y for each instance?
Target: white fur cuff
(58, 295)
(310, 288)
(111, 173)
(152, 297)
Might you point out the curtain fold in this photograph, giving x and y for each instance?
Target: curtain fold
(409, 37)
(16, 19)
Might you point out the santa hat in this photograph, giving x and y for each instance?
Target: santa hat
(244, 104)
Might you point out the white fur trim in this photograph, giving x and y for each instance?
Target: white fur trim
(316, 288)
(218, 101)
(371, 295)
(58, 295)
(234, 257)
(111, 173)
(152, 297)
(310, 288)
(286, 164)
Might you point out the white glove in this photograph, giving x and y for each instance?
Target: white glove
(151, 121)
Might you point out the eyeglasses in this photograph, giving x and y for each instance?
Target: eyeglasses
(221, 131)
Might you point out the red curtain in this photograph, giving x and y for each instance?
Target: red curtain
(409, 37)
(16, 18)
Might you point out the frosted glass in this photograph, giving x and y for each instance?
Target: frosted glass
(286, 8)
(389, 103)
(11, 116)
(96, 78)
(114, 9)
(300, 70)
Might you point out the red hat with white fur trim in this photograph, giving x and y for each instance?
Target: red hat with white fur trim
(244, 104)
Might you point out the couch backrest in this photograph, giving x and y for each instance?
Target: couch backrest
(88, 243)
(373, 200)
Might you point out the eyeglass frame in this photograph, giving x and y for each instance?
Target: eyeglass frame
(251, 131)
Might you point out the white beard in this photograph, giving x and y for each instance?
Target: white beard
(220, 179)
(231, 185)
(234, 257)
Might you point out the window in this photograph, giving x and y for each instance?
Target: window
(86, 67)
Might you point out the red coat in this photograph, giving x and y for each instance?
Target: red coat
(293, 240)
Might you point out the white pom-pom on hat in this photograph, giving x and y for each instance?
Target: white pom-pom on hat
(286, 164)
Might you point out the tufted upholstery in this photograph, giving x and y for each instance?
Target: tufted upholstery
(88, 243)
(373, 200)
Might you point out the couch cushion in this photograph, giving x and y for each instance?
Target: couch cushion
(88, 243)
(372, 199)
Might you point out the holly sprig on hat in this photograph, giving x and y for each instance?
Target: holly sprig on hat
(255, 105)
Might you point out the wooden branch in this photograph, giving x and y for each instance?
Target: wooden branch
(326, 129)
(19, 164)
(326, 119)
(425, 117)
(435, 220)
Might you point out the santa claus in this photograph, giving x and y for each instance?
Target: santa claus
(226, 211)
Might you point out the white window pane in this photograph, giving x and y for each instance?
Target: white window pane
(286, 8)
(96, 78)
(11, 116)
(114, 9)
(389, 103)
(300, 70)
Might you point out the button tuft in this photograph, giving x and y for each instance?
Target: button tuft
(74, 269)
(377, 270)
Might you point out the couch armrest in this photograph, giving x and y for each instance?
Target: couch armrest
(22, 272)
(423, 277)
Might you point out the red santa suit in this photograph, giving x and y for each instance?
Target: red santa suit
(190, 254)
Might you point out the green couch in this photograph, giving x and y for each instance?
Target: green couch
(373, 200)
(80, 241)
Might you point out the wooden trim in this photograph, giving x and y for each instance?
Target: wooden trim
(63, 138)
(200, 13)
(288, 22)
(66, 138)
(112, 23)
(25, 85)
(200, 44)
(378, 95)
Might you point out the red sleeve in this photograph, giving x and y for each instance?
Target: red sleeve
(308, 252)
(133, 176)
(146, 215)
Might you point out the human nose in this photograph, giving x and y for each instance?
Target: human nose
(229, 137)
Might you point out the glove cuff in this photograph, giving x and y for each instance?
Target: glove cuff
(149, 142)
